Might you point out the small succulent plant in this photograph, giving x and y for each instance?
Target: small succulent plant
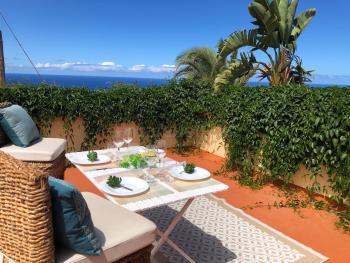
(92, 156)
(189, 168)
(114, 181)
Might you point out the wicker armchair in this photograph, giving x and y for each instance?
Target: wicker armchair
(26, 232)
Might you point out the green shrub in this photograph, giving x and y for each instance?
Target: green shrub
(183, 108)
(284, 127)
(279, 128)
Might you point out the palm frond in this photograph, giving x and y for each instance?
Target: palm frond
(301, 22)
(237, 73)
(238, 40)
(197, 63)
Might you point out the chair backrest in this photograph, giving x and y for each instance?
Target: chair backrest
(26, 233)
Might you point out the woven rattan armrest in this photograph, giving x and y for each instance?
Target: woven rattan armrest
(26, 233)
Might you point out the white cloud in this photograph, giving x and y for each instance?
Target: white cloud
(137, 68)
(165, 68)
(105, 66)
(80, 66)
(102, 68)
(107, 63)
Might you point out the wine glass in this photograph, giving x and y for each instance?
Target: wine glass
(128, 136)
(151, 149)
(111, 151)
(148, 172)
(151, 162)
(118, 139)
(161, 146)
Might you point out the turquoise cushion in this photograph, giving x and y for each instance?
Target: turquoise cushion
(18, 126)
(73, 226)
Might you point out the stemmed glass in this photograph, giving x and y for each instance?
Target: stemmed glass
(111, 151)
(128, 136)
(147, 172)
(161, 145)
(118, 139)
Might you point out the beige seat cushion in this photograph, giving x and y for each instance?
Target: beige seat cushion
(121, 232)
(46, 150)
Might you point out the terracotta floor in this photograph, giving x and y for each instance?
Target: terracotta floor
(311, 227)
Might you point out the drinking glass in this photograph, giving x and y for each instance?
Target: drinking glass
(112, 151)
(151, 148)
(118, 139)
(147, 176)
(147, 172)
(161, 146)
(128, 136)
(151, 162)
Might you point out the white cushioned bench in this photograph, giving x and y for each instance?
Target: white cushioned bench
(122, 232)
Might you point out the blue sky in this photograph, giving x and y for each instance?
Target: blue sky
(142, 38)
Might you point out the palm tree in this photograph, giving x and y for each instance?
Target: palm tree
(277, 23)
(278, 71)
(235, 71)
(300, 75)
(203, 64)
(277, 29)
(197, 63)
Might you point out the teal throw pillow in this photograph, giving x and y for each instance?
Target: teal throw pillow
(18, 126)
(73, 226)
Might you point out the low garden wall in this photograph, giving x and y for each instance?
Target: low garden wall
(76, 138)
(210, 141)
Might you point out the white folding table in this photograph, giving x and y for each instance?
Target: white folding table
(162, 191)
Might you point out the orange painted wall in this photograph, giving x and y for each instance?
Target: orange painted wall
(57, 131)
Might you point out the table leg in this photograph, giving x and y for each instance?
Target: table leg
(164, 237)
(176, 247)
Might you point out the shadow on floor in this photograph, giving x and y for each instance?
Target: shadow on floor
(200, 246)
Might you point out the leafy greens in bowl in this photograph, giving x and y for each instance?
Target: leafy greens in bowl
(133, 161)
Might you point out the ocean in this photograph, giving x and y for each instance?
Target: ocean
(91, 82)
(95, 82)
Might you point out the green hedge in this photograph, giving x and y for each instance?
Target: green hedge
(284, 127)
(279, 127)
(183, 108)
